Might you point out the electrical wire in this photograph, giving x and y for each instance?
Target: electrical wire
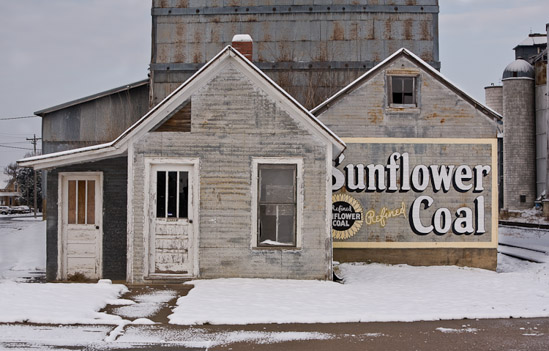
(18, 117)
(16, 147)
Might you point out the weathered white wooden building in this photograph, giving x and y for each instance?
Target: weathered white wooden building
(228, 176)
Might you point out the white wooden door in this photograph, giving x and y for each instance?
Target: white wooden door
(171, 224)
(82, 224)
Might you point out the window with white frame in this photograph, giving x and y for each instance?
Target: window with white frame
(277, 204)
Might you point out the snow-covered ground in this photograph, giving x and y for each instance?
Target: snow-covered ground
(371, 292)
(57, 303)
(22, 247)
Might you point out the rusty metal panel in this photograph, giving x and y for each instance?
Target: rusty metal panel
(341, 35)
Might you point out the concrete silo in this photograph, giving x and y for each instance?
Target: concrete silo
(519, 136)
(494, 97)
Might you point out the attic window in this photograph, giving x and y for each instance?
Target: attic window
(402, 91)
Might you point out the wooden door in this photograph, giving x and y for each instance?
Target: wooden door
(171, 224)
(82, 225)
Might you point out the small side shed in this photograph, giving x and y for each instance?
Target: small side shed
(227, 177)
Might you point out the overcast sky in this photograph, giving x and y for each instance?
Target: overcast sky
(59, 50)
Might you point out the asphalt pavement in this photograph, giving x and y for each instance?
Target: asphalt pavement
(488, 334)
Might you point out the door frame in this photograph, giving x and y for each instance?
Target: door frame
(61, 226)
(193, 163)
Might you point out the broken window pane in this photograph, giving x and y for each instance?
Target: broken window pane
(160, 194)
(183, 194)
(172, 194)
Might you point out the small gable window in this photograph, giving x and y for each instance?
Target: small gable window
(402, 90)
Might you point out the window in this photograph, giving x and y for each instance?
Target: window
(402, 90)
(172, 194)
(277, 205)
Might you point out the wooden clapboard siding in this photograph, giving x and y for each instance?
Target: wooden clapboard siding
(180, 121)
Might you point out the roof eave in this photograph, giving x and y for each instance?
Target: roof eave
(88, 98)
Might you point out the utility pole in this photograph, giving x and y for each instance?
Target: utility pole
(34, 141)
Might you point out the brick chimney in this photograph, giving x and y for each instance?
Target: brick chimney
(244, 44)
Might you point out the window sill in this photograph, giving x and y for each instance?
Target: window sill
(394, 108)
(277, 248)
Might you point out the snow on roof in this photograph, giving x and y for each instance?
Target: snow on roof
(403, 51)
(519, 68)
(242, 37)
(534, 39)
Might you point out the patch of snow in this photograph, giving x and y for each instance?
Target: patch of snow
(531, 215)
(29, 219)
(529, 238)
(116, 332)
(242, 37)
(22, 248)
(275, 243)
(57, 303)
(143, 321)
(120, 302)
(371, 293)
(54, 335)
(200, 338)
(146, 305)
(451, 330)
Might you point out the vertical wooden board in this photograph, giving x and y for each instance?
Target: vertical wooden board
(90, 206)
(81, 202)
(72, 202)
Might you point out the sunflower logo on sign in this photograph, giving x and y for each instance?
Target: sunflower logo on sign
(347, 216)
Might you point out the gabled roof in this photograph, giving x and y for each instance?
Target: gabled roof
(45, 111)
(120, 145)
(419, 62)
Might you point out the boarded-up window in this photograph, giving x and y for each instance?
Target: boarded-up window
(81, 202)
(277, 204)
(180, 121)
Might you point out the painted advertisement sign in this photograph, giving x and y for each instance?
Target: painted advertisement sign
(392, 192)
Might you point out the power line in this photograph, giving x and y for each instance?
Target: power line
(18, 117)
(15, 147)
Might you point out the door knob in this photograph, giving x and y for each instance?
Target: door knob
(96, 227)
(190, 220)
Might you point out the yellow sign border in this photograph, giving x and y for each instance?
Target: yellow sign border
(424, 245)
